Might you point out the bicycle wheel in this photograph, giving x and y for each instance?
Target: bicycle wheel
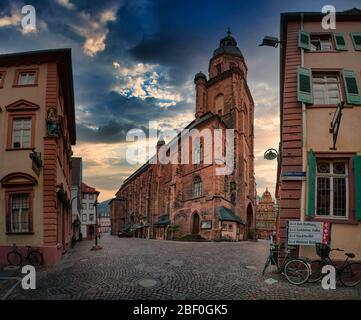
(14, 258)
(316, 271)
(35, 258)
(296, 271)
(350, 275)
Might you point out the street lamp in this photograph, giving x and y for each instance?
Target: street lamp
(270, 42)
(96, 246)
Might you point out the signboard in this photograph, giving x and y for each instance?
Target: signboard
(308, 233)
(206, 224)
(294, 175)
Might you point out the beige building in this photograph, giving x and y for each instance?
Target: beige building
(37, 130)
(266, 216)
(320, 71)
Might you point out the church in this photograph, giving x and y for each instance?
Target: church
(189, 200)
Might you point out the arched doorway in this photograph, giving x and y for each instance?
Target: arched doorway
(195, 225)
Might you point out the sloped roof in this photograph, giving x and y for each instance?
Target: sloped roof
(87, 189)
(226, 214)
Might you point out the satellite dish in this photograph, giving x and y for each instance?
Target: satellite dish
(271, 154)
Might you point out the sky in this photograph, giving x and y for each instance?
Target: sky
(134, 61)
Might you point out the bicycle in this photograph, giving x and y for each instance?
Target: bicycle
(349, 273)
(296, 270)
(33, 256)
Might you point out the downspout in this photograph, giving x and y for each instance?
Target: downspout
(304, 142)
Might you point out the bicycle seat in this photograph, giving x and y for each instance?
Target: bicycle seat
(350, 255)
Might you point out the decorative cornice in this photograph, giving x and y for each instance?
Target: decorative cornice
(22, 105)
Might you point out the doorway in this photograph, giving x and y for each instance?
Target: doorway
(195, 227)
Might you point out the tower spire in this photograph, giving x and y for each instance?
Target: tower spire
(228, 31)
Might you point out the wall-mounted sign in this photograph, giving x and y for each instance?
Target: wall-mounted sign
(206, 224)
(294, 175)
(308, 233)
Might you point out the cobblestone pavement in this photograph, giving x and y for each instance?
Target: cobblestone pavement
(130, 268)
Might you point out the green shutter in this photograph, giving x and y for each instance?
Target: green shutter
(304, 85)
(357, 173)
(351, 87)
(356, 40)
(304, 40)
(311, 183)
(340, 41)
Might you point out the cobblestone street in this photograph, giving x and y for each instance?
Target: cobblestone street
(129, 268)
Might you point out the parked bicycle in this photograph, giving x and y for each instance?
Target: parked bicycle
(296, 270)
(349, 273)
(33, 256)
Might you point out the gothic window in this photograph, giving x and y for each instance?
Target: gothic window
(232, 65)
(226, 184)
(197, 151)
(219, 104)
(197, 191)
(233, 186)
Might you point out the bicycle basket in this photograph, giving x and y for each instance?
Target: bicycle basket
(323, 250)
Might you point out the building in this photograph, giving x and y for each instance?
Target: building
(320, 71)
(104, 217)
(37, 131)
(190, 198)
(76, 196)
(266, 216)
(88, 211)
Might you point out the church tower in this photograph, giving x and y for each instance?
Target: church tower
(226, 93)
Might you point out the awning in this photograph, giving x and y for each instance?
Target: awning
(226, 214)
(136, 226)
(163, 221)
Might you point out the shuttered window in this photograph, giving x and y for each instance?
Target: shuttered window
(340, 41)
(304, 85)
(357, 176)
(326, 89)
(356, 40)
(351, 87)
(311, 183)
(304, 40)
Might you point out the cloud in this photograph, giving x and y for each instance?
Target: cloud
(94, 29)
(11, 20)
(66, 4)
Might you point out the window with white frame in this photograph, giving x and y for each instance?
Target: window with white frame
(84, 218)
(19, 217)
(91, 196)
(21, 137)
(91, 217)
(326, 89)
(321, 43)
(332, 188)
(27, 78)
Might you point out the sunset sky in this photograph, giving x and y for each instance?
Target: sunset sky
(134, 61)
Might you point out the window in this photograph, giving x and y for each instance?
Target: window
(331, 188)
(321, 43)
(219, 102)
(21, 135)
(83, 218)
(2, 78)
(224, 227)
(91, 196)
(19, 213)
(326, 89)
(197, 187)
(83, 205)
(230, 227)
(219, 69)
(91, 206)
(91, 217)
(26, 77)
(198, 152)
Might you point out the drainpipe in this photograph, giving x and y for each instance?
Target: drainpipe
(304, 142)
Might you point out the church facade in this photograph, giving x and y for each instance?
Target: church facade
(168, 201)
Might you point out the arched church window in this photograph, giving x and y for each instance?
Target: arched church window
(197, 186)
(219, 69)
(197, 151)
(233, 186)
(226, 184)
(232, 65)
(219, 104)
